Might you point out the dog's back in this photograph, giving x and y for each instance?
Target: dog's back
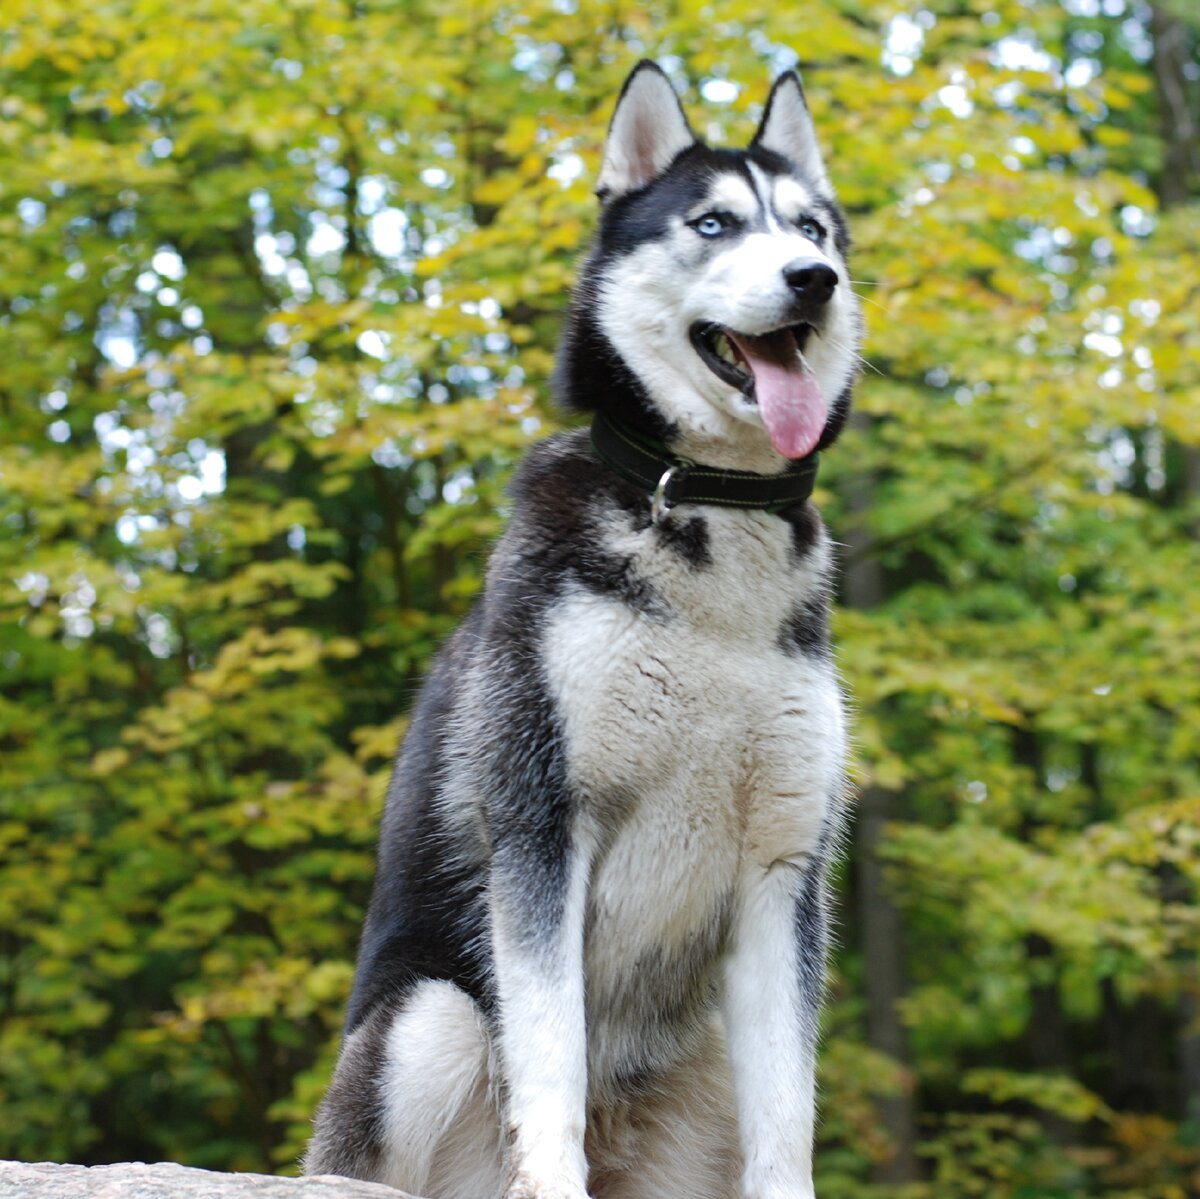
(594, 952)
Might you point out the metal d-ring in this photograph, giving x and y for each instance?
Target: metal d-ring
(660, 505)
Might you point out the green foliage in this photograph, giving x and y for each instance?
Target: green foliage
(279, 291)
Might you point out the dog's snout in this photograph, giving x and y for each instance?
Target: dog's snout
(810, 279)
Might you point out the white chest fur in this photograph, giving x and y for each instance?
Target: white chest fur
(701, 746)
(699, 704)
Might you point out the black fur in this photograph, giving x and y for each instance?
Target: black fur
(812, 918)
(812, 939)
(427, 906)
(350, 1145)
(805, 527)
(806, 631)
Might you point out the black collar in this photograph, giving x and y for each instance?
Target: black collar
(673, 480)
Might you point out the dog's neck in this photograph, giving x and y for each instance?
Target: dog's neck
(669, 479)
(729, 444)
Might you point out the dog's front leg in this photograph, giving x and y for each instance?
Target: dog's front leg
(773, 986)
(538, 896)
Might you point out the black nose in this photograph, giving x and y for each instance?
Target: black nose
(813, 281)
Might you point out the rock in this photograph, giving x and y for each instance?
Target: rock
(165, 1180)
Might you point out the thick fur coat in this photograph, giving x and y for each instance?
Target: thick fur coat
(593, 959)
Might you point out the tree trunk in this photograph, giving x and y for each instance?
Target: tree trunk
(883, 954)
(1178, 119)
(1179, 183)
(878, 917)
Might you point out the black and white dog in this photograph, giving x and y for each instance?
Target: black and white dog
(593, 960)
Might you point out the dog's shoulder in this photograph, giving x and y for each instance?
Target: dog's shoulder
(565, 504)
(562, 491)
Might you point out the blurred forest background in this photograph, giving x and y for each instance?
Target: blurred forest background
(280, 282)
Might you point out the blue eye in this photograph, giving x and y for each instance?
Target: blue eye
(709, 225)
(811, 229)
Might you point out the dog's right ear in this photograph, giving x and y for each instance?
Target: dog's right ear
(648, 131)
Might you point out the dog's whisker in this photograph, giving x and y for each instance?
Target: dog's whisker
(870, 300)
(870, 365)
(858, 357)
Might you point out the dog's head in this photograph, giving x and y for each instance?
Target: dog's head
(715, 308)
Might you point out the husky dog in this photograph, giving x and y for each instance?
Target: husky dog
(593, 960)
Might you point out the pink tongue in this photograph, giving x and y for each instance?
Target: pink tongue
(791, 403)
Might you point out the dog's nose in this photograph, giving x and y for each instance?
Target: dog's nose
(811, 279)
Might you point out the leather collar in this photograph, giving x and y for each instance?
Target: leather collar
(672, 480)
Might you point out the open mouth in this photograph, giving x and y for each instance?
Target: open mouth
(730, 356)
(770, 369)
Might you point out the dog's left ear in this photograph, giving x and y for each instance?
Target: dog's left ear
(787, 129)
(648, 131)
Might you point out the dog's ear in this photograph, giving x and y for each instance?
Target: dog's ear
(787, 128)
(648, 130)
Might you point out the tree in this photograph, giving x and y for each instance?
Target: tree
(278, 300)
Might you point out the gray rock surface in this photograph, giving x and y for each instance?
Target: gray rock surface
(133, 1180)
